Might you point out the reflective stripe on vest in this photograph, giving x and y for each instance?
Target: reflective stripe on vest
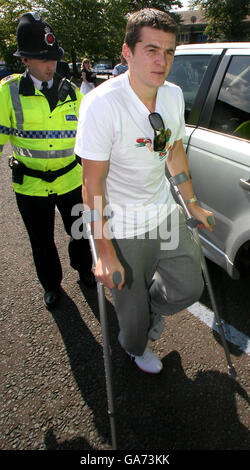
(44, 134)
(67, 134)
(43, 153)
(16, 102)
(35, 134)
(5, 130)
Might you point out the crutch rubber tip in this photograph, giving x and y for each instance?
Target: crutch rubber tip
(117, 277)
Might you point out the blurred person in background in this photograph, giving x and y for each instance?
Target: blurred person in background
(120, 68)
(88, 77)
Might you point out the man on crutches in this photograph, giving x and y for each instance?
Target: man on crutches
(142, 232)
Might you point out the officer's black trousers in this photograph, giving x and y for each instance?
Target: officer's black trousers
(38, 214)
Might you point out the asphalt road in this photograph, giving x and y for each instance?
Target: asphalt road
(52, 375)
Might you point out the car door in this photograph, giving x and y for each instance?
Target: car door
(219, 158)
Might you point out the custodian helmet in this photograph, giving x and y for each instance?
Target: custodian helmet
(36, 39)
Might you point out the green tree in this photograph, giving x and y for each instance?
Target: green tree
(10, 12)
(94, 28)
(115, 18)
(78, 25)
(164, 5)
(224, 18)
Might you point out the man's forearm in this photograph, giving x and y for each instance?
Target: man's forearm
(94, 198)
(94, 177)
(178, 163)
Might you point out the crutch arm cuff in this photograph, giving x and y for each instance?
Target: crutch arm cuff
(178, 179)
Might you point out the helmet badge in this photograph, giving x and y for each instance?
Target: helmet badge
(49, 37)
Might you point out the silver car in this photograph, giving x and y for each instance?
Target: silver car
(215, 79)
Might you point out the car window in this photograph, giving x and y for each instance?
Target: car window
(231, 114)
(187, 71)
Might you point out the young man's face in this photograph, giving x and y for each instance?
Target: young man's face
(152, 58)
(41, 69)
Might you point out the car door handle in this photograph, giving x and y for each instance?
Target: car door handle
(245, 184)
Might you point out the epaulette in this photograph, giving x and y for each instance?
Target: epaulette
(10, 78)
(72, 91)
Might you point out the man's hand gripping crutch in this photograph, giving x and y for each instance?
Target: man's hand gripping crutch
(111, 273)
(106, 264)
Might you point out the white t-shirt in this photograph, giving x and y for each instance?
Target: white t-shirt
(113, 125)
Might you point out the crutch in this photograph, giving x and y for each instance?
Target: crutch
(192, 223)
(88, 217)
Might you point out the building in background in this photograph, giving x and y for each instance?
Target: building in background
(193, 26)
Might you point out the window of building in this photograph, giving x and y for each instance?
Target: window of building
(187, 71)
(183, 38)
(231, 113)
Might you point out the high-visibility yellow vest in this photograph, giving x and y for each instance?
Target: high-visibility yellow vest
(41, 139)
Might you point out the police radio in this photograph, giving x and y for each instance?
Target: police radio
(65, 88)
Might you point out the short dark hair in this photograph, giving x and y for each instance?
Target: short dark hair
(147, 17)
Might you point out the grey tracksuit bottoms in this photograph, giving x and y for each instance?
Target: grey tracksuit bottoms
(162, 275)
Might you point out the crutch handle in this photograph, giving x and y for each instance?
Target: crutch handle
(192, 222)
(117, 277)
(210, 219)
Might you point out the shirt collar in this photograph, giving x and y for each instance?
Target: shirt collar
(38, 83)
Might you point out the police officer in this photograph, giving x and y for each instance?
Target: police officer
(39, 115)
